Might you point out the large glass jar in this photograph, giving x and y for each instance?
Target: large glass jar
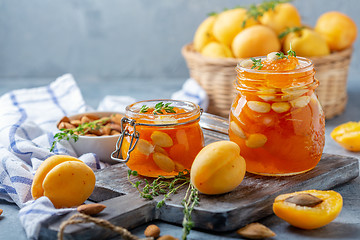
(163, 143)
(277, 120)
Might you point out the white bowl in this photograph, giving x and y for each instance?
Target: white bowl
(102, 146)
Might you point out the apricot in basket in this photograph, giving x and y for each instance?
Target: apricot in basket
(65, 180)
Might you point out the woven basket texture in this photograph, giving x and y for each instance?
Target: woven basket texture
(217, 77)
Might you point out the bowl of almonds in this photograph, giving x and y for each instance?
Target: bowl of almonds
(91, 132)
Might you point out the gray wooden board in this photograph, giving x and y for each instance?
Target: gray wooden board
(249, 202)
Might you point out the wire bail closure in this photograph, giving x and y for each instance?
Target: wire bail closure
(117, 155)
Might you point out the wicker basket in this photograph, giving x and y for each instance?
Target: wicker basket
(217, 76)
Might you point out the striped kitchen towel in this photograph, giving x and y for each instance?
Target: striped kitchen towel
(27, 119)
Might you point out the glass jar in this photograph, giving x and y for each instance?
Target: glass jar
(277, 120)
(154, 143)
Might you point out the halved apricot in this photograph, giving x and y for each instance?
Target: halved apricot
(348, 135)
(308, 209)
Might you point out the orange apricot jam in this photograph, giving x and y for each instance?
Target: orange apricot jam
(276, 118)
(169, 139)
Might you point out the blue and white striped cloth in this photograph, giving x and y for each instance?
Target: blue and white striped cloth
(27, 126)
(27, 119)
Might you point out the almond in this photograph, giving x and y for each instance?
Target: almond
(304, 200)
(152, 231)
(167, 237)
(255, 231)
(91, 209)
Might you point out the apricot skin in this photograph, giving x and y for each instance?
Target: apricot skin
(218, 168)
(65, 180)
(309, 217)
(69, 184)
(36, 187)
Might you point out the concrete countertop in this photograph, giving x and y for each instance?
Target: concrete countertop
(346, 226)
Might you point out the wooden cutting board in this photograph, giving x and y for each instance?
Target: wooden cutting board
(249, 202)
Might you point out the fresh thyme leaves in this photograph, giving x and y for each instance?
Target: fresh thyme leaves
(255, 11)
(190, 200)
(256, 63)
(290, 30)
(144, 109)
(160, 107)
(291, 52)
(166, 186)
(160, 185)
(67, 134)
(281, 55)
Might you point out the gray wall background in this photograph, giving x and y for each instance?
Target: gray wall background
(117, 39)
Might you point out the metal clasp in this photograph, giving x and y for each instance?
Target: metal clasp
(117, 155)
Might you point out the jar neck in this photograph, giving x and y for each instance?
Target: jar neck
(189, 113)
(253, 80)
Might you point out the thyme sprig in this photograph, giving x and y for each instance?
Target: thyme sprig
(256, 63)
(67, 134)
(281, 55)
(165, 186)
(189, 202)
(290, 30)
(257, 10)
(159, 108)
(160, 185)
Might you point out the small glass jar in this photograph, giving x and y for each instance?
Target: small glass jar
(154, 143)
(277, 120)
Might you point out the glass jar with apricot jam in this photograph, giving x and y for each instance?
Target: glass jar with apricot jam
(276, 118)
(160, 137)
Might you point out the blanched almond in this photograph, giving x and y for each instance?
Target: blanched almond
(161, 139)
(160, 150)
(164, 162)
(272, 56)
(256, 140)
(291, 94)
(144, 147)
(300, 102)
(237, 130)
(260, 107)
(280, 107)
(179, 167)
(246, 63)
(267, 97)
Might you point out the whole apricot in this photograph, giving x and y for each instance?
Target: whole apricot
(338, 29)
(348, 136)
(65, 180)
(218, 168)
(254, 41)
(216, 50)
(283, 16)
(306, 43)
(203, 34)
(308, 209)
(229, 23)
